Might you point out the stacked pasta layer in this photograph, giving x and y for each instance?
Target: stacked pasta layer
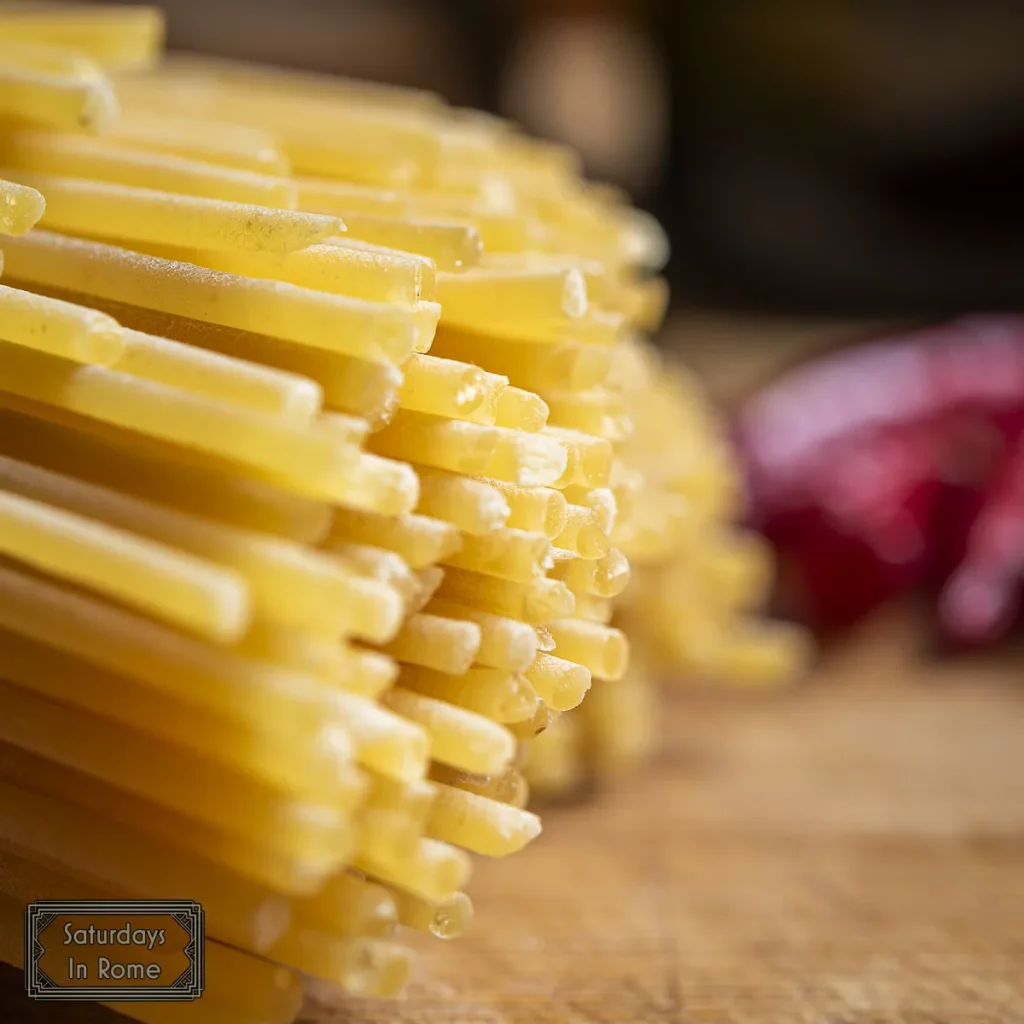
(326, 432)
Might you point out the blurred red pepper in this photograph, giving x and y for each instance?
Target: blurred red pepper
(895, 465)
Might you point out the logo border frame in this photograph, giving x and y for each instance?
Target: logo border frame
(194, 923)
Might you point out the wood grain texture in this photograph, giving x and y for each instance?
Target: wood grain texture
(851, 852)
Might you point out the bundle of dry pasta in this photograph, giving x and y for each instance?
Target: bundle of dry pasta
(326, 432)
(697, 579)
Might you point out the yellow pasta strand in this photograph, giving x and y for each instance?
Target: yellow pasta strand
(566, 366)
(111, 210)
(535, 509)
(171, 414)
(479, 297)
(374, 276)
(53, 99)
(600, 500)
(365, 967)
(527, 460)
(602, 577)
(594, 609)
(376, 486)
(100, 159)
(507, 553)
(451, 246)
(183, 590)
(429, 580)
(555, 765)
(37, 56)
(535, 602)
(411, 799)
(472, 506)
(494, 693)
(172, 662)
(597, 326)
(384, 834)
(327, 659)
(453, 445)
(443, 387)
(338, 198)
(599, 412)
(20, 208)
(499, 232)
(445, 645)
(218, 142)
(590, 464)
(561, 684)
(421, 541)
(350, 429)
(521, 410)
(433, 870)
(428, 268)
(385, 742)
(545, 641)
(595, 273)
(379, 564)
(447, 919)
(509, 787)
(294, 399)
(314, 761)
(534, 727)
(349, 907)
(365, 161)
(375, 332)
(619, 721)
(458, 737)
(122, 38)
(504, 643)
(370, 673)
(236, 500)
(603, 650)
(582, 534)
(480, 824)
(59, 328)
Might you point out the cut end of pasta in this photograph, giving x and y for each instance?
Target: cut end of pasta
(21, 208)
(450, 919)
(379, 970)
(574, 301)
(99, 107)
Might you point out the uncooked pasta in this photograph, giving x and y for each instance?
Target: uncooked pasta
(331, 456)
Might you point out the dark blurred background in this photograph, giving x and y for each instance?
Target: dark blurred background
(840, 156)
